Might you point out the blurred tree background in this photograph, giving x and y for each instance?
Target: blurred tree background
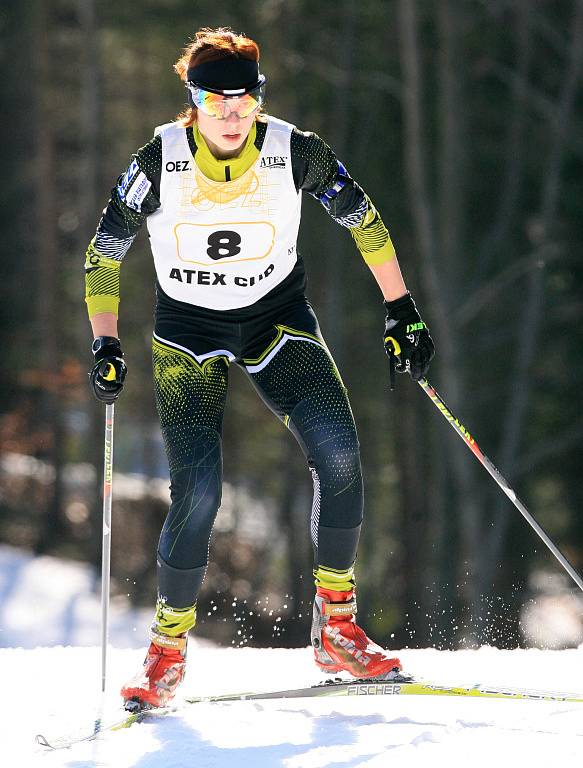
(462, 119)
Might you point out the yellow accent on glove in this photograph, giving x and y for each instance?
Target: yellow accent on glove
(395, 343)
(110, 373)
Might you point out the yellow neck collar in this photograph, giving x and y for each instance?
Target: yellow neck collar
(231, 168)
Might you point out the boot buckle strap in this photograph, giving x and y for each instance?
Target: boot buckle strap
(339, 609)
(166, 641)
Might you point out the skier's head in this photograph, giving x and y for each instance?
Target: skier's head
(224, 86)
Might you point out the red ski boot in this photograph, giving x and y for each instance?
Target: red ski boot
(165, 663)
(340, 645)
(163, 671)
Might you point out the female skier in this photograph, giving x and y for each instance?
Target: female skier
(220, 189)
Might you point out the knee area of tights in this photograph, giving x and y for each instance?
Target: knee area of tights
(338, 467)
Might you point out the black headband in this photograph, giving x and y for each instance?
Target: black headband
(226, 74)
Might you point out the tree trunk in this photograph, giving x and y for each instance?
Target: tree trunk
(452, 158)
(429, 248)
(48, 271)
(337, 253)
(531, 324)
(90, 122)
(452, 150)
(515, 144)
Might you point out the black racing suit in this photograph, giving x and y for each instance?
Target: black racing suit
(277, 342)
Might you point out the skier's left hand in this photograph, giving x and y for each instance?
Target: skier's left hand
(407, 341)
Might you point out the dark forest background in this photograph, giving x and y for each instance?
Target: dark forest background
(463, 120)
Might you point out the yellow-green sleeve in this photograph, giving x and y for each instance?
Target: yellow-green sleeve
(101, 282)
(372, 238)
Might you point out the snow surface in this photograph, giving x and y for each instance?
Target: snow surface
(57, 691)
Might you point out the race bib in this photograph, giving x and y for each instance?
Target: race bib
(232, 242)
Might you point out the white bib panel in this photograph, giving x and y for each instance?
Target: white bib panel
(224, 245)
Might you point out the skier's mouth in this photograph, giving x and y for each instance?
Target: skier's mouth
(231, 136)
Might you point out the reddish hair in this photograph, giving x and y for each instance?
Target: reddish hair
(212, 45)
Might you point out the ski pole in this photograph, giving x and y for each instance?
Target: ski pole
(106, 544)
(502, 482)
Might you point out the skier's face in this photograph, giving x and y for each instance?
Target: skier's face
(227, 136)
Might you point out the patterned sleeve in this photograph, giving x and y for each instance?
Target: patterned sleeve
(318, 172)
(135, 196)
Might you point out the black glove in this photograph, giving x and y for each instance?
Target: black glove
(407, 339)
(108, 373)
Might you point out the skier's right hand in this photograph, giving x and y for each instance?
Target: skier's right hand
(108, 373)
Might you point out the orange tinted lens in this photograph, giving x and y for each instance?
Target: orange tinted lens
(247, 105)
(211, 104)
(216, 105)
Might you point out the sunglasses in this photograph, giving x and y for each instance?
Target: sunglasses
(221, 105)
